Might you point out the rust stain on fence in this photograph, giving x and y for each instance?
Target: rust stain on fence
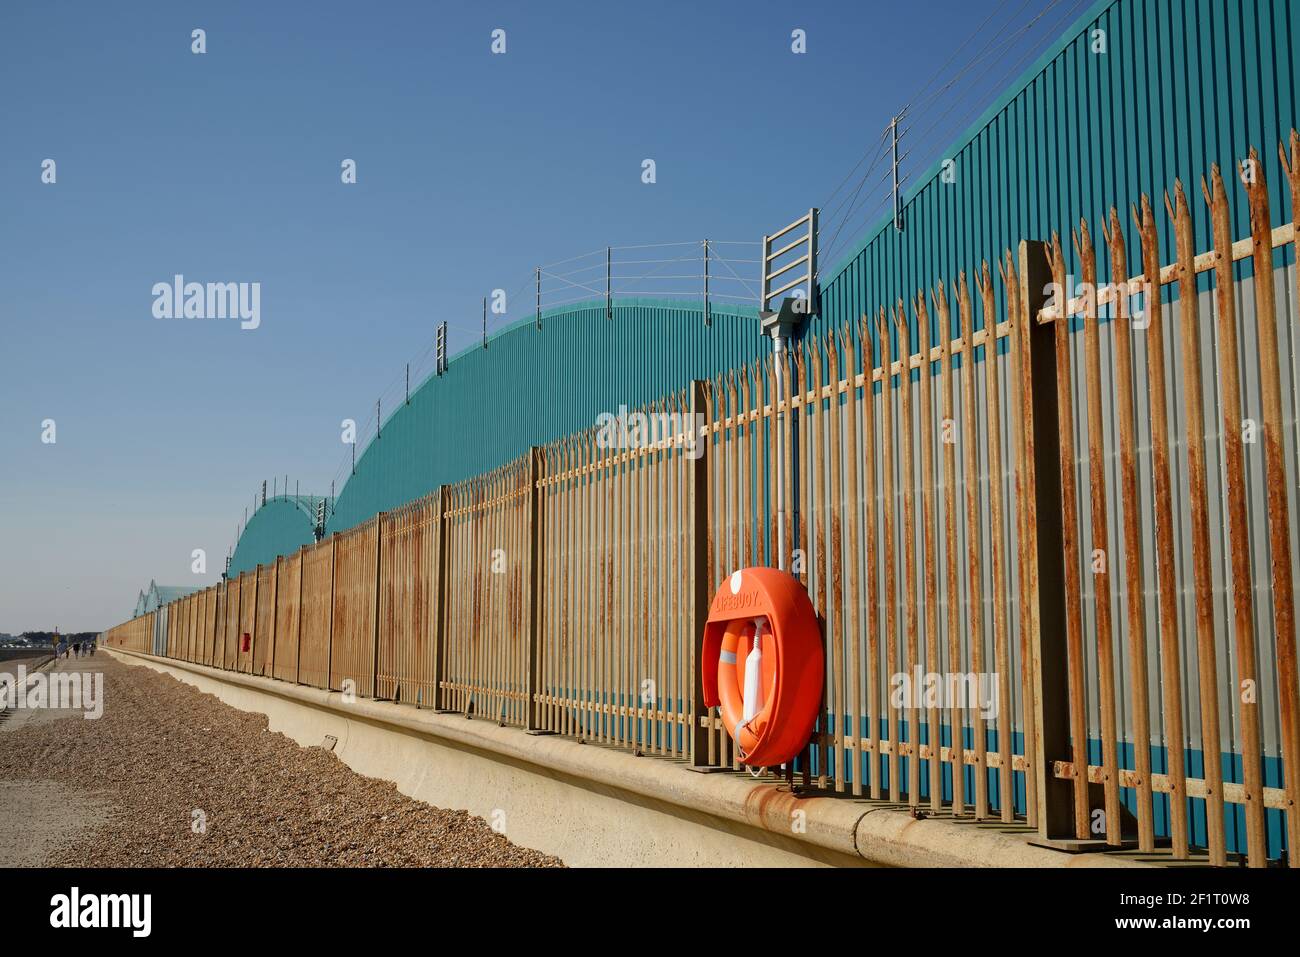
(1279, 507)
(561, 592)
(1099, 560)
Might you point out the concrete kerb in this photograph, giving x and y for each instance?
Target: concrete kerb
(605, 806)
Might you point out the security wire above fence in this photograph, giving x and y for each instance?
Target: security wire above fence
(708, 271)
(728, 272)
(924, 129)
(702, 270)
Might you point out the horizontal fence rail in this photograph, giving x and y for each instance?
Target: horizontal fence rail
(1044, 519)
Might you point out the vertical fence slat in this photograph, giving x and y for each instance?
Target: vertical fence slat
(853, 702)
(835, 596)
(997, 547)
(891, 591)
(956, 719)
(872, 675)
(535, 535)
(1132, 535)
(1100, 560)
(817, 429)
(970, 443)
(931, 556)
(1166, 583)
(1206, 664)
(1234, 485)
(909, 557)
(1279, 506)
(699, 578)
(1024, 516)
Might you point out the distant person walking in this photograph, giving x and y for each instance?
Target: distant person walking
(76, 649)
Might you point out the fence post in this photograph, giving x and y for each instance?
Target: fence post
(1046, 579)
(219, 628)
(297, 660)
(223, 608)
(374, 650)
(252, 638)
(275, 614)
(700, 583)
(533, 517)
(329, 644)
(440, 588)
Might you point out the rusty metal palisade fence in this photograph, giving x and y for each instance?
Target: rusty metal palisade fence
(617, 622)
(1012, 504)
(485, 632)
(135, 635)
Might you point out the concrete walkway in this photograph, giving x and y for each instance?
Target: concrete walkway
(169, 776)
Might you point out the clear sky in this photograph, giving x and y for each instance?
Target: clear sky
(472, 167)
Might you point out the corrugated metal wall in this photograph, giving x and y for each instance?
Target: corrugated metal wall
(280, 527)
(1181, 85)
(531, 386)
(1184, 84)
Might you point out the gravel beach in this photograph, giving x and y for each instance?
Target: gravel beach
(171, 777)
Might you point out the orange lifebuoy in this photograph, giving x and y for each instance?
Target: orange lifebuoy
(792, 668)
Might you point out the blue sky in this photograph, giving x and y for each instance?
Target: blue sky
(472, 168)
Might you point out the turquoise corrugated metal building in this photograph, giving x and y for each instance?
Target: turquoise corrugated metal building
(280, 526)
(1182, 84)
(530, 386)
(1135, 95)
(156, 596)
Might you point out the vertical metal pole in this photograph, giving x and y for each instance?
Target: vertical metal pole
(485, 322)
(898, 203)
(440, 588)
(531, 603)
(329, 641)
(252, 644)
(1047, 582)
(1278, 496)
(699, 579)
(297, 660)
(762, 289)
(778, 350)
(275, 612)
(609, 278)
(708, 319)
(408, 383)
(814, 224)
(379, 417)
(539, 297)
(374, 657)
